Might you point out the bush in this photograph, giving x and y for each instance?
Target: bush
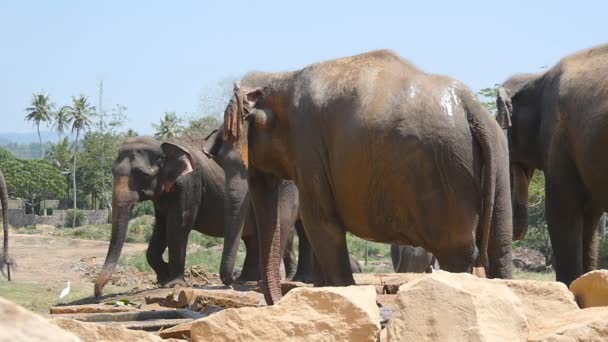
(140, 229)
(142, 208)
(69, 217)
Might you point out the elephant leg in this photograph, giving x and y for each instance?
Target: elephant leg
(289, 255)
(458, 258)
(305, 256)
(178, 229)
(500, 258)
(250, 270)
(154, 254)
(564, 209)
(326, 233)
(590, 225)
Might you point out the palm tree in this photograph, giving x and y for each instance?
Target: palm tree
(80, 115)
(61, 121)
(169, 127)
(41, 110)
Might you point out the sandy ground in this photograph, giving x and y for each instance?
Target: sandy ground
(45, 264)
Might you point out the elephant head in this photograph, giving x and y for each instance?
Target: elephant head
(256, 124)
(136, 172)
(519, 114)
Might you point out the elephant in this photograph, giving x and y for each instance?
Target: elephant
(410, 259)
(4, 258)
(187, 189)
(557, 122)
(379, 148)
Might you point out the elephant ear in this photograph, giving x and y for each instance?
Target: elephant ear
(177, 162)
(243, 101)
(504, 107)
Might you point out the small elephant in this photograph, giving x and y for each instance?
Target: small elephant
(378, 148)
(187, 189)
(410, 259)
(557, 122)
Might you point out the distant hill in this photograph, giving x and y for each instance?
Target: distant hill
(27, 137)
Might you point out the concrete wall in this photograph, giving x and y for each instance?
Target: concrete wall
(18, 217)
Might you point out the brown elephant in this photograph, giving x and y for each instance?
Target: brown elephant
(4, 258)
(557, 122)
(381, 149)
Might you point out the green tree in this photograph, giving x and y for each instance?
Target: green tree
(59, 154)
(201, 127)
(169, 127)
(32, 180)
(487, 96)
(41, 111)
(80, 113)
(61, 121)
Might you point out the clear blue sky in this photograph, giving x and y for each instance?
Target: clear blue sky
(155, 56)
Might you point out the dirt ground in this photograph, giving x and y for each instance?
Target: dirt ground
(45, 264)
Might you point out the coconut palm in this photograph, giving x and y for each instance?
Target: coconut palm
(169, 127)
(61, 121)
(80, 115)
(41, 111)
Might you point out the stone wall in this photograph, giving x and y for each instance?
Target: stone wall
(18, 217)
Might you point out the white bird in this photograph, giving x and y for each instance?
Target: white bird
(65, 291)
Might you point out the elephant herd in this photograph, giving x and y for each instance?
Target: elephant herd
(372, 145)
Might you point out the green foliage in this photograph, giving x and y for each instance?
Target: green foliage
(74, 218)
(201, 127)
(169, 127)
(32, 180)
(59, 154)
(142, 208)
(140, 229)
(40, 111)
(375, 250)
(487, 96)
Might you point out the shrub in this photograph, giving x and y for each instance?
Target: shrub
(70, 216)
(140, 229)
(142, 208)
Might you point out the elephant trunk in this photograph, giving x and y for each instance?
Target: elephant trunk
(520, 180)
(4, 201)
(235, 212)
(264, 190)
(123, 200)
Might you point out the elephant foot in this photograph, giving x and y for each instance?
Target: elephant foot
(303, 278)
(175, 282)
(247, 276)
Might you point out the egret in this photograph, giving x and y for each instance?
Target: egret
(65, 291)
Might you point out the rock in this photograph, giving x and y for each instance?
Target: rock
(541, 299)
(181, 331)
(98, 332)
(591, 289)
(199, 299)
(579, 325)
(20, 324)
(89, 308)
(386, 283)
(452, 307)
(304, 314)
(288, 285)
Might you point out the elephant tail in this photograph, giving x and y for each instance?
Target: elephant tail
(482, 125)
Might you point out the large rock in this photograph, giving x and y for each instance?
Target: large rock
(580, 325)
(386, 283)
(19, 324)
(199, 299)
(541, 299)
(591, 289)
(304, 314)
(457, 307)
(97, 332)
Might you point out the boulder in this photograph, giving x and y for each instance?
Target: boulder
(199, 299)
(591, 289)
(541, 299)
(457, 307)
(98, 332)
(89, 308)
(304, 314)
(19, 324)
(181, 331)
(579, 325)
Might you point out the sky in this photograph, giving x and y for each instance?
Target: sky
(157, 56)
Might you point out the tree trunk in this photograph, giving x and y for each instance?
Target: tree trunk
(4, 201)
(40, 140)
(74, 179)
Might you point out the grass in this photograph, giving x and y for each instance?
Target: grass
(40, 297)
(539, 276)
(140, 230)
